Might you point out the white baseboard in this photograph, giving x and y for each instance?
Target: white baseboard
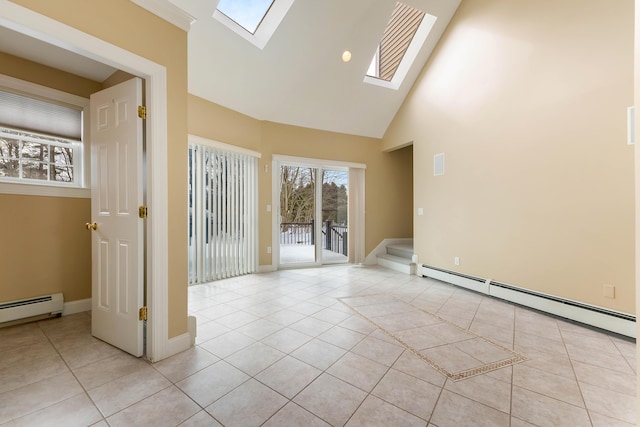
(599, 317)
(266, 268)
(372, 259)
(77, 306)
(177, 344)
(454, 279)
(192, 328)
(582, 313)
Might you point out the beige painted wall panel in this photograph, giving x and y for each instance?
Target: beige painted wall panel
(130, 27)
(213, 121)
(46, 76)
(44, 247)
(527, 100)
(116, 78)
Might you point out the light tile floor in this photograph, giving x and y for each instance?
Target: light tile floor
(278, 349)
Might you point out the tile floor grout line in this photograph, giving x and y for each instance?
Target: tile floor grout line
(513, 346)
(71, 371)
(370, 393)
(575, 376)
(435, 404)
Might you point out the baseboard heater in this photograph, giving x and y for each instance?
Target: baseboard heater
(15, 310)
(610, 320)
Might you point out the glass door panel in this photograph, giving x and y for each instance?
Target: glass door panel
(297, 215)
(335, 214)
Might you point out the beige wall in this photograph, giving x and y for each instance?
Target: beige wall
(388, 175)
(130, 27)
(46, 76)
(45, 248)
(527, 100)
(636, 97)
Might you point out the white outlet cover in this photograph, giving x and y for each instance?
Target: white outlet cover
(438, 164)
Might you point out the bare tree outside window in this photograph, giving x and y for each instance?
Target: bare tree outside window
(297, 191)
(34, 157)
(297, 195)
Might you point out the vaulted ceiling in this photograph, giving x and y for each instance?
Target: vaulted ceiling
(298, 78)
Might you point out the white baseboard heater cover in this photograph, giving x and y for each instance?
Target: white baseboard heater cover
(15, 310)
(610, 320)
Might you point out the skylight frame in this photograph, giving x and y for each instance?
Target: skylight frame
(266, 28)
(410, 55)
(257, 25)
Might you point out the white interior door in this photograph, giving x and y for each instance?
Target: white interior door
(117, 238)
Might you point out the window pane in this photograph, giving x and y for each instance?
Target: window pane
(35, 170)
(35, 151)
(9, 148)
(9, 168)
(63, 156)
(62, 173)
(30, 156)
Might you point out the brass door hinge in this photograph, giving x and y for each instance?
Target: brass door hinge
(142, 112)
(143, 313)
(143, 211)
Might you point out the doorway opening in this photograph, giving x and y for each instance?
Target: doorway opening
(25, 21)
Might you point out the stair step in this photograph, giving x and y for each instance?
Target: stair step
(400, 250)
(395, 258)
(403, 265)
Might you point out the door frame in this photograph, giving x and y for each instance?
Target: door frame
(277, 160)
(33, 24)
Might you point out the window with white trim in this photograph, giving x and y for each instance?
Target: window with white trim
(33, 157)
(41, 135)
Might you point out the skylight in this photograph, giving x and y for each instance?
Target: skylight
(403, 37)
(246, 13)
(253, 20)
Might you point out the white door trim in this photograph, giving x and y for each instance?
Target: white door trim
(28, 22)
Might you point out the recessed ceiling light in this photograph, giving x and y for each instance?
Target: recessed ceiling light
(346, 56)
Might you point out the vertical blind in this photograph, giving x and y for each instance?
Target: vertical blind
(223, 238)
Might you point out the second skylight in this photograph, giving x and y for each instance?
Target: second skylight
(401, 29)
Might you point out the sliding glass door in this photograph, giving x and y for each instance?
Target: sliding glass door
(335, 216)
(313, 226)
(297, 215)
